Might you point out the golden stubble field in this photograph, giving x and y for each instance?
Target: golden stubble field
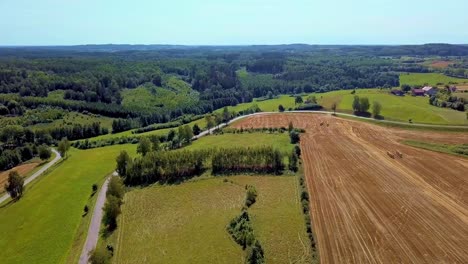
(370, 208)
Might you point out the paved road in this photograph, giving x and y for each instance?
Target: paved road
(95, 225)
(207, 132)
(36, 174)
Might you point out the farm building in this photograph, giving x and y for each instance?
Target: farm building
(417, 92)
(430, 91)
(398, 92)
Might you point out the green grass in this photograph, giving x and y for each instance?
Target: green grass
(433, 79)
(396, 108)
(257, 139)
(186, 223)
(40, 228)
(71, 118)
(151, 98)
(200, 122)
(458, 150)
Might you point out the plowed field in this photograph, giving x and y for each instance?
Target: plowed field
(368, 207)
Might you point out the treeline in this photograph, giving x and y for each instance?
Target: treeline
(171, 166)
(178, 122)
(77, 131)
(445, 98)
(247, 160)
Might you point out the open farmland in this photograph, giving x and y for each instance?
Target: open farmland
(370, 208)
(186, 223)
(434, 79)
(42, 226)
(22, 169)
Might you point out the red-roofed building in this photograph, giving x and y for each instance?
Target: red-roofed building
(417, 92)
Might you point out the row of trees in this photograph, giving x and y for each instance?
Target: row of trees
(250, 160)
(361, 106)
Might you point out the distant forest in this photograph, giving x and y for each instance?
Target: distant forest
(93, 77)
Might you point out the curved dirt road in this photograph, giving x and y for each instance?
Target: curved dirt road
(368, 207)
(37, 173)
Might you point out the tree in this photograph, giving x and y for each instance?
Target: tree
(298, 100)
(364, 104)
(196, 129)
(293, 161)
(99, 255)
(376, 108)
(356, 104)
(333, 107)
(14, 185)
(63, 146)
(116, 188)
(294, 136)
(44, 152)
(144, 146)
(281, 108)
(297, 149)
(209, 121)
(111, 211)
(405, 88)
(156, 144)
(290, 126)
(226, 114)
(122, 162)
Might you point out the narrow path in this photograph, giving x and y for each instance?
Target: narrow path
(95, 225)
(36, 174)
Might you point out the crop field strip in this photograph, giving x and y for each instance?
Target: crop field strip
(369, 208)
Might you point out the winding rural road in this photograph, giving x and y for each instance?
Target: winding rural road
(207, 132)
(37, 173)
(93, 231)
(95, 225)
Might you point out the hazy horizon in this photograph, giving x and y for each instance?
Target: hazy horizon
(241, 22)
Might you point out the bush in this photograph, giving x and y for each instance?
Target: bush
(251, 197)
(99, 256)
(44, 152)
(294, 137)
(14, 185)
(116, 188)
(111, 211)
(293, 161)
(241, 230)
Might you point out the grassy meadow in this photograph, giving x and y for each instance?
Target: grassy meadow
(397, 108)
(458, 150)
(434, 79)
(186, 223)
(41, 227)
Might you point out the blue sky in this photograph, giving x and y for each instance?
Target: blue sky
(224, 22)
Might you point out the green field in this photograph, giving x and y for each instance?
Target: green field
(186, 223)
(151, 98)
(257, 139)
(41, 227)
(434, 79)
(71, 118)
(397, 108)
(458, 150)
(200, 122)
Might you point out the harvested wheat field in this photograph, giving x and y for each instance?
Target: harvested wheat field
(368, 204)
(21, 169)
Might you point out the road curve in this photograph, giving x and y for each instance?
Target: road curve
(36, 174)
(95, 225)
(209, 131)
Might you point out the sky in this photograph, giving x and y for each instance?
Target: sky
(232, 22)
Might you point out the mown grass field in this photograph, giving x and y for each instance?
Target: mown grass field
(200, 122)
(186, 223)
(229, 140)
(41, 227)
(433, 79)
(398, 108)
(458, 150)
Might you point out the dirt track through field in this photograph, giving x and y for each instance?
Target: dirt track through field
(370, 208)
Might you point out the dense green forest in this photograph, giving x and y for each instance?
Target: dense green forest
(138, 86)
